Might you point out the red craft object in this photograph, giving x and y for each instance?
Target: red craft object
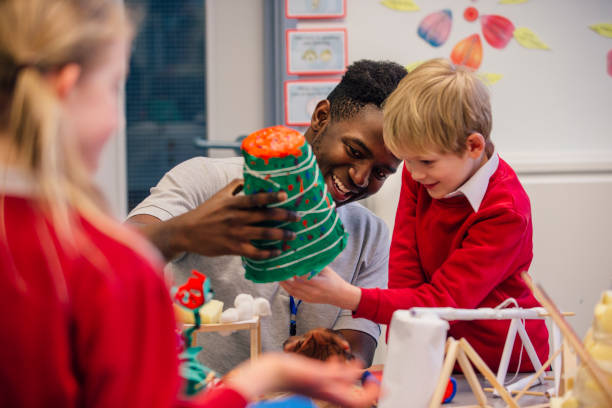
(275, 141)
(610, 62)
(497, 30)
(468, 52)
(470, 14)
(191, 294)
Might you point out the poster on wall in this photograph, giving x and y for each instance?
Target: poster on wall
(302, 96)
(315, 8)
(316, 52)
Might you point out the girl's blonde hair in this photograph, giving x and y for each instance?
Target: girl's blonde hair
(435, 108)
(38, 37)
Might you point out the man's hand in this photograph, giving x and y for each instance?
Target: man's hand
(326, 287)
(223, 225)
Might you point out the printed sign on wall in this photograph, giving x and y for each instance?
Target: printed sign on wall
(302, 96)
(313, 52)
(315, 8)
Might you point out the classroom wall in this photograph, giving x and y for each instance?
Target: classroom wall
(570, 191)
(562, 154)
(234, 68)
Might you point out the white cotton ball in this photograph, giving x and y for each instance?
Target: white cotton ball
(261, 307)
(245, 311)
(243, 297)
(230, 315)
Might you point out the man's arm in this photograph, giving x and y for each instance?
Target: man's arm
(362, 345)
(222, 225)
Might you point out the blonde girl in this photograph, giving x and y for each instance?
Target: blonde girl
(85, 317)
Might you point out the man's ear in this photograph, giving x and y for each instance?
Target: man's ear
(475, 145)
(64, 80)
(320, 116)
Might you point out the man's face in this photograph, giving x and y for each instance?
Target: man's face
(352, 156)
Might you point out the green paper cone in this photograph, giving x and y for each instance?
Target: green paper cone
(320, 233)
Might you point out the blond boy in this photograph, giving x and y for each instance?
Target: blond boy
(463, 230)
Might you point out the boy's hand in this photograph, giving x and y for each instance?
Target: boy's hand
(327, 287)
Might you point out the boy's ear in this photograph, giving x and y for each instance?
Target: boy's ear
(64, 80)
(475, 145)
(321, 116)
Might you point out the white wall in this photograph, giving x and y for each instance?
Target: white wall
(570, 193)
(234, 68)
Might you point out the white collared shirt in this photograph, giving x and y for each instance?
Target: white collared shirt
(475, 188)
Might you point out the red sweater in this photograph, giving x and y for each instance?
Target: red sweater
(86, 328)
(443, 254)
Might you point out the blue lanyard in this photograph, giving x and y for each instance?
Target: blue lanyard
(293, 310)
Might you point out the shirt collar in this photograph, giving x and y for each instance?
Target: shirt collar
(475, 188)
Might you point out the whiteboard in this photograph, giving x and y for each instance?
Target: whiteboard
(551, 109)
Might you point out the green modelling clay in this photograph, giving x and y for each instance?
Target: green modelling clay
(320, 233)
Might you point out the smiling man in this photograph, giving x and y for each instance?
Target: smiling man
(346, 137)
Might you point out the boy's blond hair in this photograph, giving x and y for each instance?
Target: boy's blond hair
(435, 108)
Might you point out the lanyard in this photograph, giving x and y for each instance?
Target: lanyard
(293, 310)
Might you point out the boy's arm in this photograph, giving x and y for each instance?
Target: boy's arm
(404, 264)
(490, 253)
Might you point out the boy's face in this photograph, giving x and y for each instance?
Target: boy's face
(352, 156)
(441, 173)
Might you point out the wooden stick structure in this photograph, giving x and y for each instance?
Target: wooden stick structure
(538, 374)
(532, 393)
(447, 368)
(461, 351)
(487, 373)
(252, 325)
(571, 337)
(569, 368)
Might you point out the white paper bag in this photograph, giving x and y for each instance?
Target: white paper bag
(414, 359)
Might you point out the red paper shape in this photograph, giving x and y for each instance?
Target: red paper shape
(497, 30)
(470, 14)
(468, 52)
(191, 294)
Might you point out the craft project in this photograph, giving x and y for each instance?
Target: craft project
(470, 14)
(468, 52)
(497, 30)
(435, 28)
(528, 39)
(321, 344)
(400, 5)
(598, 344)
(194, 304)
(603, 29)
(279, 158)
(489, 78)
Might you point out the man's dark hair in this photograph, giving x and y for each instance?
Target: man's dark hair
(365, 82)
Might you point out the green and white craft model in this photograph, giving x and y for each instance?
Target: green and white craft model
(278, 158)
